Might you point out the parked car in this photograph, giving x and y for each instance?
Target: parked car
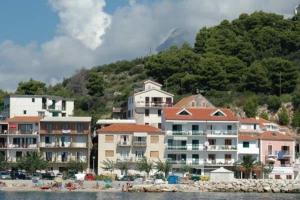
(5, 175)
(18, 175)
(90, 177)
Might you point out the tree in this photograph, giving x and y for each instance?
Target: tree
(76, 166)
(248, 164)
(108, 165)
(145, 165)
(283, 117)
(32, 162)
(257, 78)
(123, 166)
(264, 115)
(164, 167)
(296, 119)
(31, 87)
(250, 107)
(296, 98)
(95, 84)
(274, 103)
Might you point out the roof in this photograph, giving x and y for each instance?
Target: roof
(162, 91)
(39, 96)
(269, 135)
(247, 137)
(199, 114)
(25, 119)
(186, 100)
(221, 170)
(128, 128)
(153, 82)
(66, 119)
(116, 121)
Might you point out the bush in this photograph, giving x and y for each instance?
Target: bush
(264, 115)
(283, 117)
(250, 107)
(273, 103)
(103, 177)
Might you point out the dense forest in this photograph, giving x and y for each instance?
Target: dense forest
(253, 60)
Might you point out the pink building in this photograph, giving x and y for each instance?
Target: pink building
(278, 150)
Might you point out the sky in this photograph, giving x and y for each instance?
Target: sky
(48, 40)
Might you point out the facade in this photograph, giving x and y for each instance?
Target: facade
(194, 101)
(248, 145)
(278, 151)
(20, 136)
(146, 106)
(63, 139)
(205, 138)
(129, 142)
(37, 105)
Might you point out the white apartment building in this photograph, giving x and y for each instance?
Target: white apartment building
(37, 105)
(248, 145)
(19, 136)
(205, 138)
(146, 106)
(63, 139)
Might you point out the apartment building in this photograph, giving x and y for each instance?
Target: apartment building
(205, 138)
(37, 105)
(248, 144)
(278, 150)
(129, 142)
(63, 139)
(145, 106)
(19, 136)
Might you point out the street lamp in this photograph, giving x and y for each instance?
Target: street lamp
(94, 164)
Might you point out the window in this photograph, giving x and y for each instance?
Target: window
(270, 149)
(146, 112)
(63, 114)
(146, 123)
(195, 128)
(277, 176)
(184, 112)
(229, 127)
(154, 139)
(109, 153)
(24, 112)
(25, 128)
(63, 105)
(78, 156)
(19, 155)
(159, 112)
(154, 154)
(79, 128)
(212, 141)
(288, 176)
(212, 158)
(41, 114)
(47, 140)
(159, 125)
(33, 100)
(109, 138)
(49, 127)
(254, 126)
(227, 158)
(64, 156)
(65, 126)
(228, 142)
(49, 156)
(246, 144)
(139, 154)
(177, 127)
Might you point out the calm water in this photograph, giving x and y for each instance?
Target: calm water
(144, 196)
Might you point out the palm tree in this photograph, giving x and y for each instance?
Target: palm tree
(123, 166)
(108, 165)
(248, 164)
(145, 165)
(32, 162)
(164, 167)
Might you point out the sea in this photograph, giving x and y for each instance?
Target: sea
(143, 196)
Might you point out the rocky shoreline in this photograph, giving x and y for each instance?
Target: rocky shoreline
(250, 185)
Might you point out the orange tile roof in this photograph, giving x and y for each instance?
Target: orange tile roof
(184, 101)
(130, 128)
(199, 114)
(24, 119)
(269, 135)
(247, 137)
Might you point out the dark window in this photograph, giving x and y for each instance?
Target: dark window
(246, 144)
(80, 127)
(195, 128)
(33, 100)
(184, 112)
(277, 177)
(24, 112)
(159, 125)
(49, 128)
(212, 141)
(228, 142)
(288, 176)
(63, 114)
(146, 112)
(177, 127)
(47, 140)
(229, 127)
(159, 112)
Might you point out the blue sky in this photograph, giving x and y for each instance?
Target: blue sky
(24, 21)
(49, 40)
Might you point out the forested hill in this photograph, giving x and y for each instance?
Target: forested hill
(252, 60)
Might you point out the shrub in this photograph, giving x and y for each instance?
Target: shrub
(283, 117)
(273, 103)
(250, 107)
(264, 115)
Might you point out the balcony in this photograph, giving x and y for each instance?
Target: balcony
(139, 143)
(221, 133)
(24, 133)
(176, 147)
(143, 104)
(64, 131)
(186, 133)
(222, 148)
(124, 143)
(23, 146)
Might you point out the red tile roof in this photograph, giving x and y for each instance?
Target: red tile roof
(269, 135)
(128, 128)
(184, 101)
(24, 119)
(199, 114)
(247, 137)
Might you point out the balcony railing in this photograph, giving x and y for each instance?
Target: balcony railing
(202, 133)
(221, 132)
(222, 147)
(124, 143)
(25, 146)
(182, 162)
(153, 104)
(175, 147)
(139, 143)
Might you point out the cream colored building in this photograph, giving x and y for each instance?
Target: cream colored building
(129, 142)
(145, 106)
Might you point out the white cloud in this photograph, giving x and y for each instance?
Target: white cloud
(87, 36)
(84, 20)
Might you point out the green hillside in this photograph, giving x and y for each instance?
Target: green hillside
(250, 61)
